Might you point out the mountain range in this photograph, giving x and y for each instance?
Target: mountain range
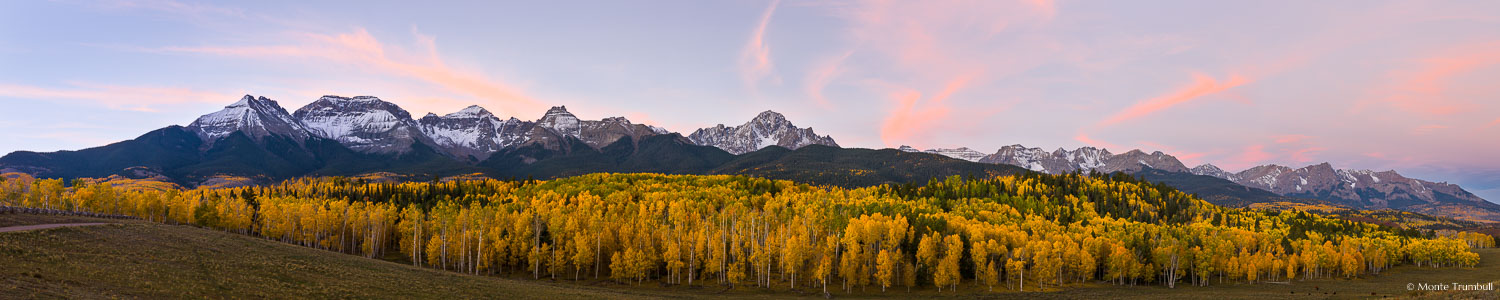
(766, 129)
(1361, 189)
(256, 138)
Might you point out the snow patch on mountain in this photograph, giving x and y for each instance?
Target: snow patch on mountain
(766, 129)
(362, 123)
(257, 118)
(963, 153)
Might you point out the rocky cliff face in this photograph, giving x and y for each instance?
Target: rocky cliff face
(473, 133)
(364, 123)
(257, 118)
(558, 125)
(766, 129)
(1083, 159)
(963, 153)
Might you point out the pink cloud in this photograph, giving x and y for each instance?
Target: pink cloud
(821, 75)
(1202, 86)
(947, 44)
(1291, 138)
(755, 59)
(1302, 155)
(1492, 123)
(1047, 8)
(1086, 140)
(1186, 157)
(1253, 155)
(1428, 89)
(132, 98)
(909, 121)
(361, 49)
(1425, 129)
(931, 41)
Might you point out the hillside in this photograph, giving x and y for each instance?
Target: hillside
(1216, 190)
(671, 154)
(145, 260)
(818, 164)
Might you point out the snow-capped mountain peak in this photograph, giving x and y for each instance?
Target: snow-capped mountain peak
(473, 132)
(1214, 171)
(363, 123)
(658, 130)
(766, 129)
(963, 153)
(559, 119)
(1082, 159)
(257, 118)
(770, 118)
(473, 111)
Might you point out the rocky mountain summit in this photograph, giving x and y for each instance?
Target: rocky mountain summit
(1083, 159)
(363, 123)
(257, 118)
(963, 153)
(473, 132)
(766, 129)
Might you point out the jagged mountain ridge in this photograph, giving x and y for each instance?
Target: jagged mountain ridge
(769, 128)
(1354, 188)
(338, 135)
(1361, 188)
(1083, 159)
(963, 153)
(257, 118)
(362, 123)
(368, 124)
(335, 135)
(473, 133)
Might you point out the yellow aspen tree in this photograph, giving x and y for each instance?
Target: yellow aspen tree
(885, 271)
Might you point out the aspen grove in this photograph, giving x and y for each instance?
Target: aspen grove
(1029, 232)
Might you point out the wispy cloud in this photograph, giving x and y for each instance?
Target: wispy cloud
(821, 75)
(1429, 128)
(1202, 86)
(1304, 155)
(1291, 138)
(1188, 158)
(1252, 155)
(938, 49)
(120, 97)
(360, 48)
(1428, 89)
(1086, 140)
(755, 59)
(912, 118)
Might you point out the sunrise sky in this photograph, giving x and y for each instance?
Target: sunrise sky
(1404, 85)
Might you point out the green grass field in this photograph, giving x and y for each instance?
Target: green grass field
(135, 259)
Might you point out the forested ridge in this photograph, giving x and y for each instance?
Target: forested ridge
(1023, 232)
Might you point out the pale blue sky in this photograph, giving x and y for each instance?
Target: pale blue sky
(1379, 85)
